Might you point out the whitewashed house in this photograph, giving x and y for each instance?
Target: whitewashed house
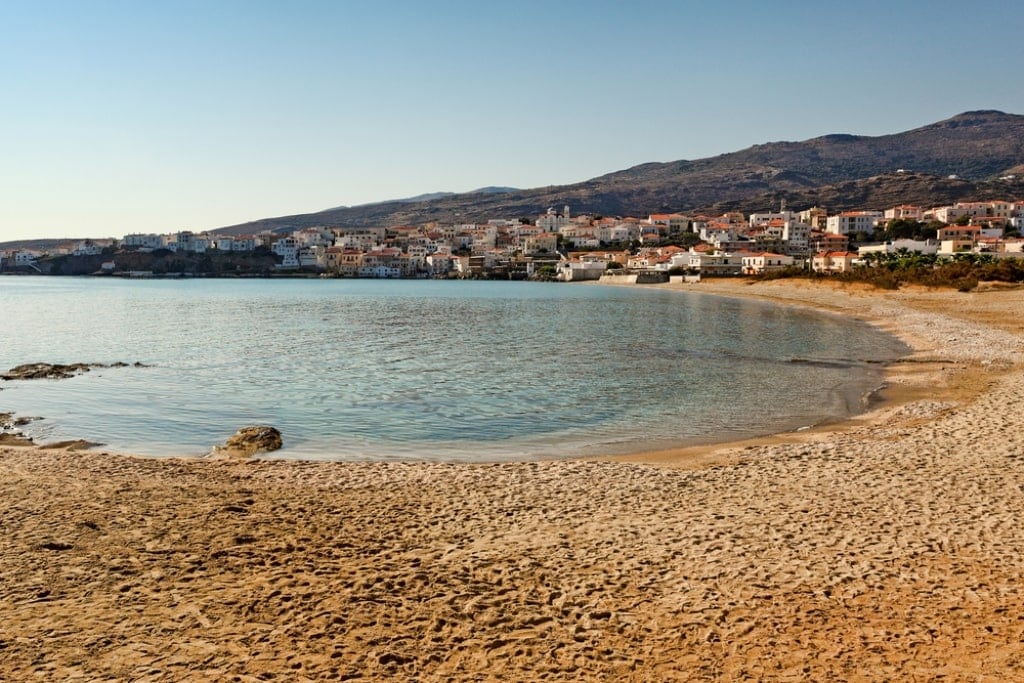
(288, 249)
(617, 232)
(919, 246)
(245, 243)
(904, 212)
(224, 243)
(719, 263)
(24, 257)
(312, 257)
(143, 242)
(584, 268)
(439, 263)
(852, 222)
(543, 243)
(833, 261)
(86, 248)
(760, 220)
(796, 236)
(764, 262)
(314, 237)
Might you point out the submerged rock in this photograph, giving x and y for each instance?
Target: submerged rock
(249, 441)
(73, 445)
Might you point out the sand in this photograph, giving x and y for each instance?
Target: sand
(885, 548)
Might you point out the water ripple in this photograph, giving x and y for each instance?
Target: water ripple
(446, 370)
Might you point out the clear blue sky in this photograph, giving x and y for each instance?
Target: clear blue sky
(121, 116)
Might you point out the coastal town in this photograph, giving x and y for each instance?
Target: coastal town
(558, 245)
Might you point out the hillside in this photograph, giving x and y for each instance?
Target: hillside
(835, 171)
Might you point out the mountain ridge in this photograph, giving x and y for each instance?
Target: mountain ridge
(976, 146)
(838, 171)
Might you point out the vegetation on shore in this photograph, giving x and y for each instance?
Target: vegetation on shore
(889, 271)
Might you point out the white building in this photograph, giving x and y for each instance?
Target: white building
(314, 237)
(24, 257)
(551, 221)
(797, 236)
(439, 263)
(754, 264)
(670, 223)
(716, 264)
(200, 243)
(904, 212)
(288, 249)
(359, 239)
(143, 242)
(714, 234)
(86, 248)
(760, 220)
(245, 243)
(919, 246)
(312, 257)
(618, 232)
(581, 269)
(851, 222)
(833, 261)
(224, 243)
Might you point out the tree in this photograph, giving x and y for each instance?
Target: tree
(545, 273)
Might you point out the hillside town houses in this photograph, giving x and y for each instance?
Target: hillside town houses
(584, 247)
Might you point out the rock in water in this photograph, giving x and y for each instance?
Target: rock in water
(45, 371)
(58, 371)
(249, 441)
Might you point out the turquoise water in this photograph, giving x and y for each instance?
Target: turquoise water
(357, 369)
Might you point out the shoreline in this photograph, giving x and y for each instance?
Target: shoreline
(883, 547)
(869, 398)
(906, 379)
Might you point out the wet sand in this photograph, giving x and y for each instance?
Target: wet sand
(884, 548)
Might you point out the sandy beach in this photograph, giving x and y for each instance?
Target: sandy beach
(888, 547)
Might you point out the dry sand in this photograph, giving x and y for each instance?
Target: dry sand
(886, 548)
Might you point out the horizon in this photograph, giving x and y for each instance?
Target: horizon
(195, 117)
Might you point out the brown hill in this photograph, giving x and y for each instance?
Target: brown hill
(836, 171)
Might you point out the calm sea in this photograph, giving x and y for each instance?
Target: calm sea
(370, 369)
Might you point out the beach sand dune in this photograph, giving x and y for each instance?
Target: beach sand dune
(886, 548)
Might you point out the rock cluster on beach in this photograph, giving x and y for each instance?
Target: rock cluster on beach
(887, 548)
(10, 434)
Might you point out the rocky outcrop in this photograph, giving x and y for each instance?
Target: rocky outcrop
(249, 441)
(14, 439)
(10, 435)
(58, 371)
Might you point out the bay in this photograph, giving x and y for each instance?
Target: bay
(437, 370)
